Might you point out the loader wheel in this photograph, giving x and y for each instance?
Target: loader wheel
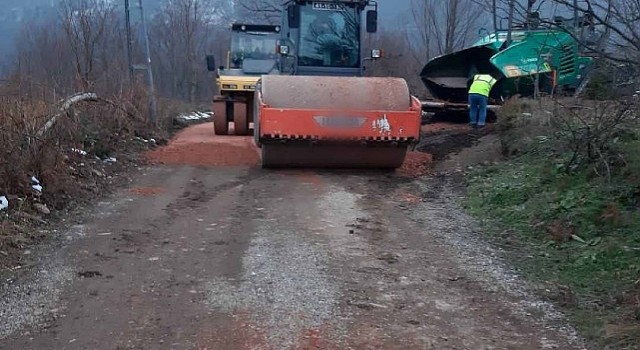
(240, 118)
(250, 109)
(220, 123)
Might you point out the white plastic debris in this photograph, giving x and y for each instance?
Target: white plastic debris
(35, 184)
(111, 160)
(195, 116)
(141, 139)
(79, 151)
(4, 203)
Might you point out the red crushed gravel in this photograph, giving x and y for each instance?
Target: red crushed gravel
(147, 191)
(199, 146)
(410, 198)
(416, 164)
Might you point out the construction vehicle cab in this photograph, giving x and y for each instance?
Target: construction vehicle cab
(320, 111)
(325, 38)
(252, 53)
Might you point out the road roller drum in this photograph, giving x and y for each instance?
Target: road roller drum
(336, 122)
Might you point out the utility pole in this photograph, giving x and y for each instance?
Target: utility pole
(127, 11)
(512, 6)
(575, 15)
(150, 84)
(529, 19)
(494, 11)
(147, 65)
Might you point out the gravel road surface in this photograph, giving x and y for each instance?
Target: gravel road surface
(225, 255)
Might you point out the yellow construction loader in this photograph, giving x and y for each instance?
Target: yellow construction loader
(252, 54)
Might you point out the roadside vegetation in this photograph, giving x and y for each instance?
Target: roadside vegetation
(566, 202)
(48, 166)
(72, 116)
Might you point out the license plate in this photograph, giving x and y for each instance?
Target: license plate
(340, 122)
(328, 6)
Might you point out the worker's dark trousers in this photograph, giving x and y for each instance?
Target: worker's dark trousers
(478, 109)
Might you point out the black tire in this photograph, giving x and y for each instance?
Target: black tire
(220, 122)
(240, 118)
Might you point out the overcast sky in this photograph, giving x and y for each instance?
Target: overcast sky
(391, 9)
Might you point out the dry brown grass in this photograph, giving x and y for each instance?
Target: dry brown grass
(97, 128)
(101, 128)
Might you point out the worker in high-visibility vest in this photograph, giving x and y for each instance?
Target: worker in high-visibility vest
(479, 99)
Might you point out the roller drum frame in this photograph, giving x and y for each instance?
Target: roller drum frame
(384, 121)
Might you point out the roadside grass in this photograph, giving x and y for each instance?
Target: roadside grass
(572, 230)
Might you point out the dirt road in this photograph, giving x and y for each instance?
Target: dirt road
(200, 253)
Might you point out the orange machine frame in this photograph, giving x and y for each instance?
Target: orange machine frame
(300, 124)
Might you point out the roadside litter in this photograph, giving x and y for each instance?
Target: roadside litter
(79, 151)
(195, 116)
(35, 184)
(4, 203)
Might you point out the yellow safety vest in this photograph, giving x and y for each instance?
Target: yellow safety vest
(482, 84)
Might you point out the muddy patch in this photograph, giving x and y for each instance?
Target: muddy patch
(147, 191)
(442, 144)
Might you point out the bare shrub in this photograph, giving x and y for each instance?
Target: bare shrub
(520, 121)
(97, 128)
(81, 50)
(19, 121)
(592, 134)
(597, 134)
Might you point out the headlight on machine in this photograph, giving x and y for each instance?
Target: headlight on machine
(249, 87)
(230, 86)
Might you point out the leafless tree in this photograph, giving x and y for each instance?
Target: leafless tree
(436, 27)
(621, 18)
(397, 61)
(182, 33)
(41, 57)
(519, 10)
(269, 11)
(420, 37)
(459, 21)
(81, 49)
(442, 27)
(85, 24)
